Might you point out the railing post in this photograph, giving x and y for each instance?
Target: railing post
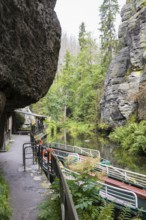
(32, 146)
(23, 154)
(24, 159)
(125, 175)
(62, 199)
(107, 170)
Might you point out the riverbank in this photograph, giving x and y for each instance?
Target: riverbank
(27, 189)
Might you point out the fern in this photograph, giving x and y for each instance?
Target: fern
(106, 212)
(131, 137)
(125, 214)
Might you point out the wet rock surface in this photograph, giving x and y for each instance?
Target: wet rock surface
(27, 189)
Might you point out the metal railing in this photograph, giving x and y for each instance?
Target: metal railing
(33, 152)
(114, 194)
(63, 155)
(28, 153)
(67, 206)
(75, 149)
(118, 195)
(124, 175)
(111, 193)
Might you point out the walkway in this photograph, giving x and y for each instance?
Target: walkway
(27, 189)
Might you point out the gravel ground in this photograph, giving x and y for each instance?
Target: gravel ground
(27, 189)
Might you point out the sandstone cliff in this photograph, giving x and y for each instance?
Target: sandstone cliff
(29, 47)
(125, 85)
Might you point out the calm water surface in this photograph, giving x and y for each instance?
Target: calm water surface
(108, 150)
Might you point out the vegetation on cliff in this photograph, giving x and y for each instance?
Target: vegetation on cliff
(132, 137)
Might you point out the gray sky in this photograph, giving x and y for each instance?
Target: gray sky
(72, 13)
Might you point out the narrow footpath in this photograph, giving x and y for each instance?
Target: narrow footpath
(27, 189)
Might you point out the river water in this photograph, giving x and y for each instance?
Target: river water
(108, 150)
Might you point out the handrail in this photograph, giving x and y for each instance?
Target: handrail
(118, 195)
(122, 174)
(76, 149)
(112, 193)
(25, 154)
(67, 205)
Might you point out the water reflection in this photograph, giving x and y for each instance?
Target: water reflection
(108, 150)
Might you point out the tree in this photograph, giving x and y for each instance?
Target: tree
(82, 35)
(75, 93)
(108, 12)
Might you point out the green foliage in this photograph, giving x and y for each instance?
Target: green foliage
(5, 210)
(51, 129)
(19, 120)
(84, 196)
(126, 214)
(77, 128)
(131, 137)
(87, 200)
(50, 208)
(107, 212)
(125, 160)
(76, 91)
(7, 147)
(82, 35)
(108, 12)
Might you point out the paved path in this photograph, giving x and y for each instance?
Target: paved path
(28, 188)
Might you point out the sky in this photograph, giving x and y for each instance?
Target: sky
(71, 13)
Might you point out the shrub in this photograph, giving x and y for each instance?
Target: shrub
(50, 208)
(131, 137)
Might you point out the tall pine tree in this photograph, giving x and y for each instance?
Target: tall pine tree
(82, 35)
(108, 13)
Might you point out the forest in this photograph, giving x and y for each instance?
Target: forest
(76, 92)
(73, 101)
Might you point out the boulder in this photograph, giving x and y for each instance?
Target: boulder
(29, 48)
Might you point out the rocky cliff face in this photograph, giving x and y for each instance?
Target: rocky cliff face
(29, 47)
(125, 85)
